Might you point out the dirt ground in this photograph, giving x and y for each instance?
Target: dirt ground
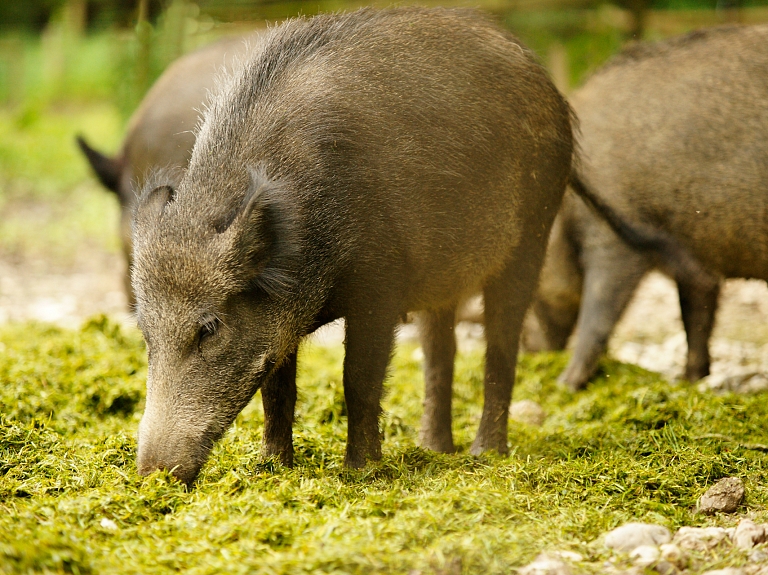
(650, 334)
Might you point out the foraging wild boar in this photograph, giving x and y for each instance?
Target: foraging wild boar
(674, 136)
(358, 166)
(161, 131)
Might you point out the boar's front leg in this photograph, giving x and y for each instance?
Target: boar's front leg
(278, 396)
(368, 347)
(439, 344)
(697, 307)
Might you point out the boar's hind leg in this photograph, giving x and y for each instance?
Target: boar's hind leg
(698, 307)
(439, 345)
(368, 344)
(609, 282)
(278, 396)
(507, 297)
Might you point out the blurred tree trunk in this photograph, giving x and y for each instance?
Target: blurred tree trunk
(557, 57)
(639, 11)
(75, 15)
(144, 37)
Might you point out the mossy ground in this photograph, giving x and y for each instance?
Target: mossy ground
(630, 447)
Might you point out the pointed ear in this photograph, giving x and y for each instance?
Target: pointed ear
(262, 233)
(153, 202)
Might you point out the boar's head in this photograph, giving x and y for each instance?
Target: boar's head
(214, 286)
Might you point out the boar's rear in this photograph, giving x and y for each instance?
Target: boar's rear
(359, 166)
(675, 137)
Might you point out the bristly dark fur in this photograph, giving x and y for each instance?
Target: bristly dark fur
(272, 200)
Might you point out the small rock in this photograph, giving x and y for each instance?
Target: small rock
(644, 555)
(673, 554)
(759, 569)
(699, 538)
(665, 568)
(726, 495)
(748, 534)
(726, 571)
(632, 535)
(758, 556)
(571, 556)
(527, 411)
(545, 565)
(108, 524)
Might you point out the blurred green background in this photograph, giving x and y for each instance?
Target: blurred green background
(82, 66)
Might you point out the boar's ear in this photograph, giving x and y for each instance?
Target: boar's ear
(152, 202)
(263, 234)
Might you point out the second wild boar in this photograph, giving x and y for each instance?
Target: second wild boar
(674, 136)
(360, 166)
(160, 133)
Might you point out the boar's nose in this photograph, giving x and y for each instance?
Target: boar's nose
(151, 459)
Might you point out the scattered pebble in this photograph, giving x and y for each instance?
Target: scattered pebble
(108, 524)
(644, 555)
(569, 556)
(727, 571)
(748, 534)
(665, 568)
(700, 538)
(748, 382)
(545, 565)
(632, 535)
(726, 495)
(759, 556)
(673, 554)
(527, 411)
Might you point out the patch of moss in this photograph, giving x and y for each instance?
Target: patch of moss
(630, 447)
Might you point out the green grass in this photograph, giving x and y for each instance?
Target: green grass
(631, 447)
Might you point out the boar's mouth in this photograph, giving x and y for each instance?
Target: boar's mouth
(184, 454)
(183, 459)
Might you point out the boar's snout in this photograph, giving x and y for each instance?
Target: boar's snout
(182, 454)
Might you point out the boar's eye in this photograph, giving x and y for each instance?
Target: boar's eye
(209, 328)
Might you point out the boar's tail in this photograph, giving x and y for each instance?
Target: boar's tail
(675, 257)
(107, 169)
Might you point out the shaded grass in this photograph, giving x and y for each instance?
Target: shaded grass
(631, 447)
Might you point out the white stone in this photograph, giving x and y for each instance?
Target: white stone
(632, 535)
(644, 555)
(108, 524)
(545, 565)
(699, 538)
(527, 411)
(726, 571)
(748, 534)
(759, 556)
(571, 556)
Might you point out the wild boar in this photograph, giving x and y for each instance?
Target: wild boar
(358, 166)
(160, 133)
(674, 136)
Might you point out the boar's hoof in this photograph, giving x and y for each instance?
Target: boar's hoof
(573, 378)
(356, 458)
(440, 442)
(283, 453)
(483, 445)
